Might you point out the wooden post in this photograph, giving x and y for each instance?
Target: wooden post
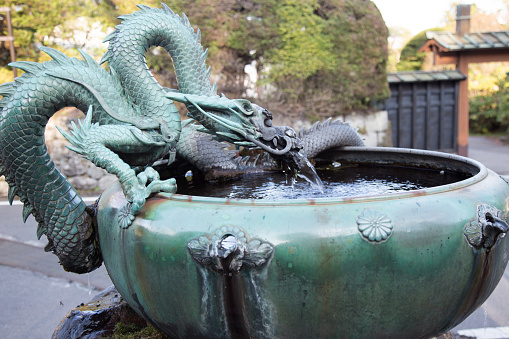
(9, 37)
(463, 116)
(462, 28)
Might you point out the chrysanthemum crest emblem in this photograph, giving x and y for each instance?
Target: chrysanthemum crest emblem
(374, 226)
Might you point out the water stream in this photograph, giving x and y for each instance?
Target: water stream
(88, 284)
(308, 173)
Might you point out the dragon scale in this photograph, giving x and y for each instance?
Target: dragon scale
(162, 27)
(131, 121)
(27, 105)
(326, 135)
(158, 27)
(30, 101)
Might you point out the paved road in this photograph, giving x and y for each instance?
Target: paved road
(490, 152)
(36, 293)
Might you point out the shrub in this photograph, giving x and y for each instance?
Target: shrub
(489, 112)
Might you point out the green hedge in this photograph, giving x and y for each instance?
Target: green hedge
(489, 112)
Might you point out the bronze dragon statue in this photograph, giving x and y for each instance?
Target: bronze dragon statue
(130, 125)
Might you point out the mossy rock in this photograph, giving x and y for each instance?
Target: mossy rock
(107, 315)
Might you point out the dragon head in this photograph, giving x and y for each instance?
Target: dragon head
(242, 123)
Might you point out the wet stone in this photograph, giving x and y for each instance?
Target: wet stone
(98, 318)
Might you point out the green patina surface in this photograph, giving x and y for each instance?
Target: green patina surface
(323, 277)
(131, 123)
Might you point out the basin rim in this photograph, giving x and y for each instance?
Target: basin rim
(483, 172)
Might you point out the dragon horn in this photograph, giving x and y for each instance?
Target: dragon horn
(177, 96)
(214, 102)
(225, 122)
(210, 102)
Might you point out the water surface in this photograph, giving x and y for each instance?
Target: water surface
(337, 182)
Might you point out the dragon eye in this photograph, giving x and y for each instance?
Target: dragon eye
(247, 107)
(268, 122)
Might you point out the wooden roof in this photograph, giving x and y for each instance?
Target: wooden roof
(423, 76)
(450, 42)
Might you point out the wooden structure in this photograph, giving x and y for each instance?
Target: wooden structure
(462, 48)
(423, 109)
(9, 37)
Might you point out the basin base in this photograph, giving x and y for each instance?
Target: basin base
(112, 315)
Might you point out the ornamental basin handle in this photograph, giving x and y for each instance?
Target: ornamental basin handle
(494, 228)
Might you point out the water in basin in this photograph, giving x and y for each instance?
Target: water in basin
(363, 180)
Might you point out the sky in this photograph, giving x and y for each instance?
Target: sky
(418, 15)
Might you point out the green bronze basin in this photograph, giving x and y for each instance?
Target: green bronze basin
(402, 265)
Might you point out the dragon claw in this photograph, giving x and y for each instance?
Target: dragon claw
(140, 191)
(142, 178)
(152, 174)
(148, 175)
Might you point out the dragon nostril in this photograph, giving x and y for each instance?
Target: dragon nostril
(290, 133)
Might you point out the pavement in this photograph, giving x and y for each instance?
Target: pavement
(36, 293)
(491, 153)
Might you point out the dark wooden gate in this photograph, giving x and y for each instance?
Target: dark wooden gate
(423, 109)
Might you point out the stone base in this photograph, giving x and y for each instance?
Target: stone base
(106, 314)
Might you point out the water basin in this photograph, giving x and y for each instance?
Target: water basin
(410, 263)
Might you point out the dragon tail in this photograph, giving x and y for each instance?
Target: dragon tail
(27, 105)
(328, 134)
